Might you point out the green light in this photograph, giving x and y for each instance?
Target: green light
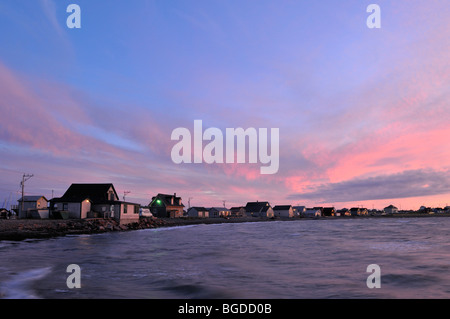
(158, 201)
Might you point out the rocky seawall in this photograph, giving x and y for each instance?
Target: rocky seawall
(19, 229)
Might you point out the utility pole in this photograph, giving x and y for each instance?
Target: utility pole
(125, 193)
(25, 177)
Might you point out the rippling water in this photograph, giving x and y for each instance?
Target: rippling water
(281, 259)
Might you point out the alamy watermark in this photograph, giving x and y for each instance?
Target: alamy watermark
(374, 19)
(74, 279)
(190, 148)
(74, 19)
(374, 279)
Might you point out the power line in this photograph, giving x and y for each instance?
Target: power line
(25, 177)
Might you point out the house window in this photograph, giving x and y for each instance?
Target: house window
(65, 206)
(125, 208)
(136, 209)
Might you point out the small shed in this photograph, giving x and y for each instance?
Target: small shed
(283, 211)
(200, 212)
(27, 204)
(312, 212)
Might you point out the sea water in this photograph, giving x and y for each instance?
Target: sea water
(325, 258)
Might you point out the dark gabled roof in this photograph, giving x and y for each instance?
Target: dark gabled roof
(257, 206)
(97, 193)
(197, 208)
(32, 198)
(282, 207)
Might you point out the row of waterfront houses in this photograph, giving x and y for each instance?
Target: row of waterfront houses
(81, 201)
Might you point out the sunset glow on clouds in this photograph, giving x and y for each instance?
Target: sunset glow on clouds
(363, 113)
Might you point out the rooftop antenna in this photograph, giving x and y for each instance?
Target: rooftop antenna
(224, 201)
(125, 193)
(189, 202)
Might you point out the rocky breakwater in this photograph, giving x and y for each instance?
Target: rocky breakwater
(35, 229)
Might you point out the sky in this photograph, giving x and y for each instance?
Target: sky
(362, 113)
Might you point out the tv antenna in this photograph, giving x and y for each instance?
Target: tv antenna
(125, 193)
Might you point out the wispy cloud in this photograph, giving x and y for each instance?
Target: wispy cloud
(407, 184)
(49, 9)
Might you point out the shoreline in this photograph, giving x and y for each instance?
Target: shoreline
(22, 229)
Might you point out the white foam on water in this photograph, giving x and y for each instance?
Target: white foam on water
(19, 285)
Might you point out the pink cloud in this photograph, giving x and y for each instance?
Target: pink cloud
(28, 121)
(51, 117)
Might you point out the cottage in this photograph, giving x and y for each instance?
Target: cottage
(391, 209)
(237, 211)
(33, 206)
(166, 206)
(215, 212)
(78, 200)
(299, 210)
(312, 212)
(329, 211)
(259, 209)
(82, 201)
(343, 212)
(200, 212)
(283, 211)
(319, 208)
(363, 212)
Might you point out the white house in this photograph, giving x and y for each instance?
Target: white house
(391, 209)
(283, 211)
(82, 201)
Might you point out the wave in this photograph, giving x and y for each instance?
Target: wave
(19, 285)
